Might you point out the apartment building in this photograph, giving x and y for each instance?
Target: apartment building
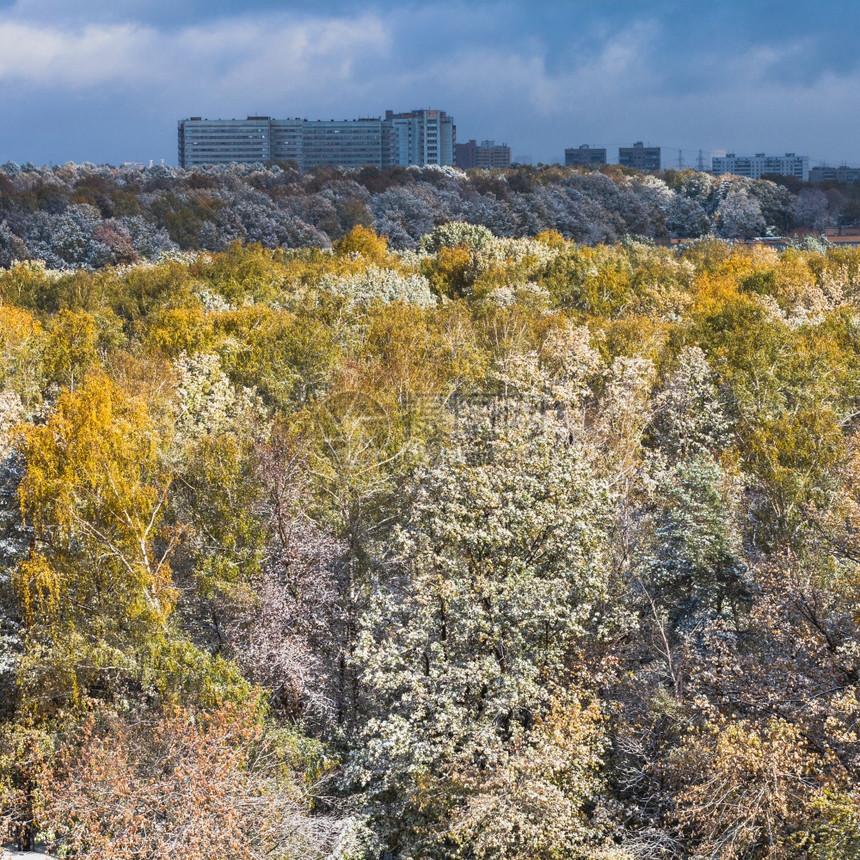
(585, 156)
(639, 156)
(485, 155)
(760, 164)
(843, 174)
(422, 137)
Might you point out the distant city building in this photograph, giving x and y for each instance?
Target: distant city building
(758, 165)
(843, 174)
(345, 143)
(420, 137)
(486, 155)
(287, 140)
(639, 156)
(585, 156)
(219, 141)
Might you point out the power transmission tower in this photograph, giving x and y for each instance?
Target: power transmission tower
(700, 162)
(680, 159)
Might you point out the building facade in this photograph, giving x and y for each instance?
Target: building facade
(287, 140)
(639, 156)
(345, 143)
(843, 174)
(204, 141)
(484, 155)
(420, 137)
(585, 156)
(758, 165)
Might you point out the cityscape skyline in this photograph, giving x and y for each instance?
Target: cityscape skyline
(104, 82)
(378, 142)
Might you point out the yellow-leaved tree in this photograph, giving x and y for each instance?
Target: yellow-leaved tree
(95, 590)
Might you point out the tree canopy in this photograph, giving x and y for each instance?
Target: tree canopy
(458, 544)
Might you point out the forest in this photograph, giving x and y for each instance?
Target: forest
(84, 216)
(411, 537)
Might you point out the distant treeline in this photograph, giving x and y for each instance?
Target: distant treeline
(83, 216)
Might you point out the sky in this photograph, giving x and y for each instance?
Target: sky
(107, 80)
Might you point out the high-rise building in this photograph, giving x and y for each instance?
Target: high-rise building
(485, 155)
(758, 165)
(585, 156)
(639, 156)
(420, 137)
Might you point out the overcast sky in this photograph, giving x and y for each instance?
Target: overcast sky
(107, 80)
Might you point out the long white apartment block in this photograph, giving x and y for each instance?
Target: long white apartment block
(758, 165)
(419, 137)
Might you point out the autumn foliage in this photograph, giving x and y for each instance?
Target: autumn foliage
(180, 785)
(444, 545)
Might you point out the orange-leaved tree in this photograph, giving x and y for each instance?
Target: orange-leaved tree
(184, 786)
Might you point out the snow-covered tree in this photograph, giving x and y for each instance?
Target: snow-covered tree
(403, 216)
(688, 417)
(686, 217)
(810, 209)
(465, 647)
(381, 285)
(740, 216)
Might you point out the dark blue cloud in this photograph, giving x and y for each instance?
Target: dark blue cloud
(107, 79)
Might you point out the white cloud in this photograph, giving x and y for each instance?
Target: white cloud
(488, 63)
(266, 54)
(47, 56)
